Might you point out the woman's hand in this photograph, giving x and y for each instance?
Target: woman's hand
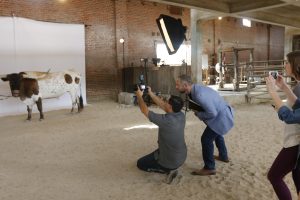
(271, 86)
(270, 83)
(280, 83)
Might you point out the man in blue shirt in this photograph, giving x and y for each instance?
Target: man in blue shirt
(216, 114)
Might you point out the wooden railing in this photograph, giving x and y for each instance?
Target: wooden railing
(256, 72)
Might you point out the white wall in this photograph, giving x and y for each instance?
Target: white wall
(29, 45)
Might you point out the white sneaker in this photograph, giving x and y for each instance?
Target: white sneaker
(171, 176)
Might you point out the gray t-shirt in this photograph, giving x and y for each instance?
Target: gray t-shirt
(171, 143)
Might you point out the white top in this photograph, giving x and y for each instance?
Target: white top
(291, 135)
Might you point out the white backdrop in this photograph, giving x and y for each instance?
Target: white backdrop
(29, 45)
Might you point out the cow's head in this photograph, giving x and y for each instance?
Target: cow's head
(14, 82)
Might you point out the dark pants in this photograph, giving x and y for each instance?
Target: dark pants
(207, 141)
(149, 163)
(284, 163)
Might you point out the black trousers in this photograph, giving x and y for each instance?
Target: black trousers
(149, 163)
(298, 159)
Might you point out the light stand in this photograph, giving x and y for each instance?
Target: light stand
(122, 41)
(146, 96)
(145, 61)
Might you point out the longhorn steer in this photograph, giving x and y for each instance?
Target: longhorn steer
(32, 87)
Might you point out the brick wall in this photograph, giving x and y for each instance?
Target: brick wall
(109, 20)
(229, 32)
(143, 31)
(106, 22)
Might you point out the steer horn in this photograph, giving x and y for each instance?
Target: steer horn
(3, 76)
(25, 76)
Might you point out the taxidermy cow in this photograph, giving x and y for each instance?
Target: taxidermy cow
(32, 87)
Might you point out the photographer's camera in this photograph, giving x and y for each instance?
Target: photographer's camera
(143, 88)
(141, 85)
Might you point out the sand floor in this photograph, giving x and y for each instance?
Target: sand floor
(92, 156)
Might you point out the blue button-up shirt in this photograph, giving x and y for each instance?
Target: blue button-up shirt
(217, 114)
(290, 116)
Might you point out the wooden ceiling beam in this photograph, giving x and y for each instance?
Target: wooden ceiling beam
(258, 10)
(256, 5)
(271, 18)
(209, 5)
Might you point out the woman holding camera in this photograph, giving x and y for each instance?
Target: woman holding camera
(286, 160)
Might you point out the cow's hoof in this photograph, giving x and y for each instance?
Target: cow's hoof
(41, 119)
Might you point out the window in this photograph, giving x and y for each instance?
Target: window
(246, 22)
(296, 42)
(183, 53)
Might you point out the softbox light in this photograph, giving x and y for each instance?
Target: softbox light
(172, 31)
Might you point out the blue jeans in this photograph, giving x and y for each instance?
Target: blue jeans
(207, 140)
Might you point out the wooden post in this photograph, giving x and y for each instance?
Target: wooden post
(221, 83)
(248, 98)
(251, 61)
(236, 81)
(206, 76)
(241, 75)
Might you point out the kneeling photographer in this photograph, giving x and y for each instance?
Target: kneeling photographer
(172, 151)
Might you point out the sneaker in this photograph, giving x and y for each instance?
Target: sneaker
(171, 176)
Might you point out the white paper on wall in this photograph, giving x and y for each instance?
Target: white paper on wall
(204, 61)
(29, 45)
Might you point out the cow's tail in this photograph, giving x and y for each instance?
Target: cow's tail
(80, 98)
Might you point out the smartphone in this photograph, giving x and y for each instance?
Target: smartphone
(274, 74)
